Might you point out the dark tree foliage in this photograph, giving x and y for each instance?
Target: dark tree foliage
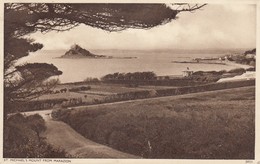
(22, 139)
(30, 81)
(16, 48)
(253, 51)
(109, 17)
(130, 76)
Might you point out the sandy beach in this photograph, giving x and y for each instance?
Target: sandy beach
(230, 63)
(246, 76)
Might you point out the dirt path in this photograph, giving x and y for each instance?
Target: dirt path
(61, 135)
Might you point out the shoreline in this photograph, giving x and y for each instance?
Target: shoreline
(194, 62)
(85, 57)
(230, 63)
(226, 63)
(214, 61)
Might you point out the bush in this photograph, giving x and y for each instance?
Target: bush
(130, 76)
(207, 73)
(22, 138)
(40, 104)
(250, 69)
(81, 88)
(222, 71)
(237, 70)
(85, 88)
(91, 80)
(72, 102)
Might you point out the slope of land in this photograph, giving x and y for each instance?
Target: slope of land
(210, 125)
(60, 135)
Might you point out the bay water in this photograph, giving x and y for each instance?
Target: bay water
(159, 62)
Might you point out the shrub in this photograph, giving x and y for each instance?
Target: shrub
(237, 70)
(130, 76)
(81, 88)
(91, 80)
(153, 93)
(22, 138)
(40, 104)
(250, 69)
(72, 102)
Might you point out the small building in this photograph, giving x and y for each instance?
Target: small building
(187, 73)
(250, 56)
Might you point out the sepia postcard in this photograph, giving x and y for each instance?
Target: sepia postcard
(129, 82)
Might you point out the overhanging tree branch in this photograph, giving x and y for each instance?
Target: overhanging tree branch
(184, 7)
(109, 17)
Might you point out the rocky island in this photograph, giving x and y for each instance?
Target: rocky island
(78, 52)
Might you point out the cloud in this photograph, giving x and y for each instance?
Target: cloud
(216, 26)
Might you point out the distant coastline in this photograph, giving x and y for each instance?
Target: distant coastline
(105, 57)
(201, 62)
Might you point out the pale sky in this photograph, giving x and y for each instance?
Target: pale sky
(215, 26)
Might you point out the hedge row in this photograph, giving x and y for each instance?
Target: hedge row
(38, 105)
(206, 87)
(176, 91)
(167, 82)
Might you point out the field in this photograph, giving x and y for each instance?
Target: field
(97, 92)
(210, 125)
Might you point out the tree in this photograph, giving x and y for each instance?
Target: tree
(22, 140)
(110, 17)
(20, 19)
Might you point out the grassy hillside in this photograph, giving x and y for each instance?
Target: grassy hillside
(212, 125)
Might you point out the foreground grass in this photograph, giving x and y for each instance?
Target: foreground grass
(212, 125)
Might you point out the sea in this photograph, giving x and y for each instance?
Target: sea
(157, 61)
